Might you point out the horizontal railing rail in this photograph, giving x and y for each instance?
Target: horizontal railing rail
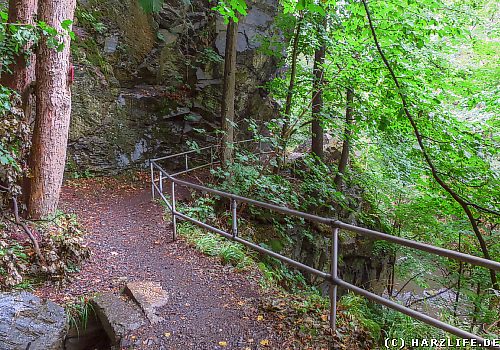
(332, 277)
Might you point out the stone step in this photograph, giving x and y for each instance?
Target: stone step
(149, 296)
(118, 315)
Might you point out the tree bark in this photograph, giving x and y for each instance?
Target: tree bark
(317, 146)
(53, 111)
(23, 71)
(228, 93)
(288, 103)
(346, 144)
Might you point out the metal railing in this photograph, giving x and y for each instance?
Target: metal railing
(332, 278)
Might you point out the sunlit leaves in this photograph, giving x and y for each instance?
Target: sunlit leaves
(231, 9)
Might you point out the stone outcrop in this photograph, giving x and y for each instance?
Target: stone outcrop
(27, 322)
(144, 84)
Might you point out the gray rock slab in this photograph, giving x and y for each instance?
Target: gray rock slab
(149, 296)
(118, 316)
(110, 44)
(167, 37)
(28, 321)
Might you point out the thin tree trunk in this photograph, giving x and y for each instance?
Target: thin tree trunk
(288, 103)
(435, 174)
(459, 281)
(23, 71)
(346, 144)
(228, 93)
(317, 146)
(53, 111)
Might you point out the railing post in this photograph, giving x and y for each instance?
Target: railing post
(161, 183)
(234, 206)
(334, 272)
(174, 218)
(152, 180)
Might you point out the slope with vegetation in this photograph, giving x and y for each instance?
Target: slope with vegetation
(384, 114)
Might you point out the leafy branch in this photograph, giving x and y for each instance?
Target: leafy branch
(465, 204)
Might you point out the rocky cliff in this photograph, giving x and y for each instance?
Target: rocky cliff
(144, 84)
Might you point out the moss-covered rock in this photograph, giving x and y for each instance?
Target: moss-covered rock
(140, 77)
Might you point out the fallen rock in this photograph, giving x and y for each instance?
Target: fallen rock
(28, 322)
(117, 315)
(149, 296)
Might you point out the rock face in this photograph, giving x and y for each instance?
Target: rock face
(144, 84)
(27, 322)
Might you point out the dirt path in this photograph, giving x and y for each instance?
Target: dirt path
(210, 306)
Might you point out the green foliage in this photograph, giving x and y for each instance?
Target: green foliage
(151, 6)
(90, 19)
(209, 55)
(385, 323)
(214, 245)
(231, 9)
(79, 311)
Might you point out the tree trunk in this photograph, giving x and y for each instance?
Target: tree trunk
(346, 144)
(317, 147)
(23, 71)
(289, 95)
(228, 93)
(53, 111)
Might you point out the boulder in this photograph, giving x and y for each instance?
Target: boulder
(28, 322)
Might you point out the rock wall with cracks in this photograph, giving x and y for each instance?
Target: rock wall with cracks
(144, 84)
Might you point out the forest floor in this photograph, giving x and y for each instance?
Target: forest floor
(211, 306)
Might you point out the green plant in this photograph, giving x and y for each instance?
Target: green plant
(208, 55)
(214, 245)
(86, 174)
(79, 311)
(90, 20)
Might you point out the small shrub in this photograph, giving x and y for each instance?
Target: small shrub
(61, 245)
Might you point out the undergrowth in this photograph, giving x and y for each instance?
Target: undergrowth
(79, 311)
(61, 244)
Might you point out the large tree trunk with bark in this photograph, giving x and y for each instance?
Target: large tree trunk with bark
(317, 147)
(53, 110)
(346, 144)
(23, 71)
(228, 93)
